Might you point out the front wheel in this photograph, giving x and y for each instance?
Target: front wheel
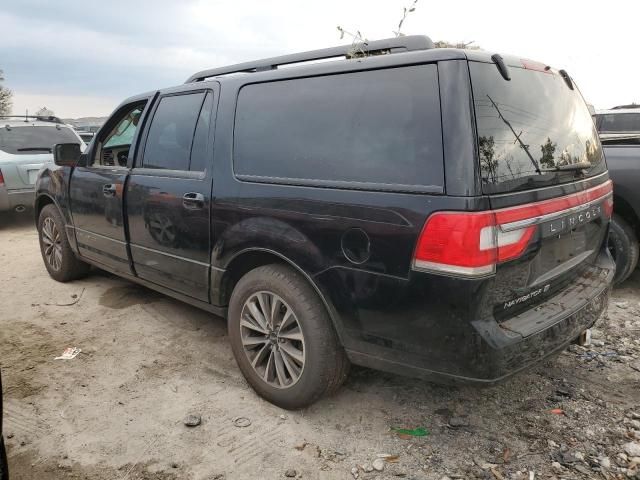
(59, 260)
(283, 339)
(624, 248)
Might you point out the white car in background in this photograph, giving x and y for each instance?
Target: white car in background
(619, 123)
(26, 143)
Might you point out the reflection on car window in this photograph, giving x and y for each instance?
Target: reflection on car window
(530, 127)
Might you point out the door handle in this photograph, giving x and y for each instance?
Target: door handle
(109, 190)
(193, 201)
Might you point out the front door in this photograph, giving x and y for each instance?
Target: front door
(169, 195)
(97, 187)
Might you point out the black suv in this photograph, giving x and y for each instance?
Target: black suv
(432, 212)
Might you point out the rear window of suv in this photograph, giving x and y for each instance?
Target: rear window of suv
(618, 122)
(30, 140)
(529, 128)
(375, 129)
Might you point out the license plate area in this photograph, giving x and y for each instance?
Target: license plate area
(566, 241)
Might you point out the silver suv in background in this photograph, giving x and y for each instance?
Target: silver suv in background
(619, 123)
(26, 143)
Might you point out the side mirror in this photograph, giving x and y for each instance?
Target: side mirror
(66, 154)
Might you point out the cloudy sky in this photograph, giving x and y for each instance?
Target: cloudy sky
(81, 58)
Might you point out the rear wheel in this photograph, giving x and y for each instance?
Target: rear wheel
(59, 260)
(283, 339)
(624, 248)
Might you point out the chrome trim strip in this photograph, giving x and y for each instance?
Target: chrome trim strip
(509, 227)
(453, 270)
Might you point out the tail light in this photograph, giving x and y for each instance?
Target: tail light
(1, 179)
(473, 243)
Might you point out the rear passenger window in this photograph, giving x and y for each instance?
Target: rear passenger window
(172, 131)
(373, 129)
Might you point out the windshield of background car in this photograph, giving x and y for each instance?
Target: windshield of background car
(30, 140)
(529, 128)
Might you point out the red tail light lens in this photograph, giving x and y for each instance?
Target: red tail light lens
(467, 243)
(608, 206)
(472, 243)
(1, 178)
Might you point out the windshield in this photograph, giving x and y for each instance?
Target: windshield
(29, 139)
(532, 130)
(618, 122)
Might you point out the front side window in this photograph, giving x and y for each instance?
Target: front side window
(113, 148)
(172, 130)
(377, 129)
(122, 134)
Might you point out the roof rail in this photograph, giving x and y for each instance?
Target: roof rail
(49, 118)
(376, 47)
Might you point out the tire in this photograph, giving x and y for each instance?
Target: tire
(623, 245)
(300, 329)
(59, 260)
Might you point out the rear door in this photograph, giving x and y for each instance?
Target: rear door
(169, 195)
(96, 190)
(542, 166)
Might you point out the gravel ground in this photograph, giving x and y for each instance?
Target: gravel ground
(116, 410)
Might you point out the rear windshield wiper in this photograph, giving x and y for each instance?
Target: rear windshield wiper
(34, 149)
(569, 167)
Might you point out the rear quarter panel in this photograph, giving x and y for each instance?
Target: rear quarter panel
(18, 169)
(307, 226)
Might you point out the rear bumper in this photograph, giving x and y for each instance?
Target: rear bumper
(450, 349)
(10, 199)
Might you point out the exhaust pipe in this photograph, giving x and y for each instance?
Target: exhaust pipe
(20, 209)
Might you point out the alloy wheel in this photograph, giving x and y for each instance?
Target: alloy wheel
(52, 243)
(272, 339)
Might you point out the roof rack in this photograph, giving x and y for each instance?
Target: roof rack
(376, 47)
(49, 118)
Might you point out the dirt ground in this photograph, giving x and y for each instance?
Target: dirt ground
(116, 411)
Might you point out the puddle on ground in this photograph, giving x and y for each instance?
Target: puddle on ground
(127, 296)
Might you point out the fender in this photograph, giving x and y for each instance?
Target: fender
(219, 275)
(52, 186)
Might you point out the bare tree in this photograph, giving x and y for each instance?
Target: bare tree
(465, 45)
(358, 42)
(407, 11)
(5, 98)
